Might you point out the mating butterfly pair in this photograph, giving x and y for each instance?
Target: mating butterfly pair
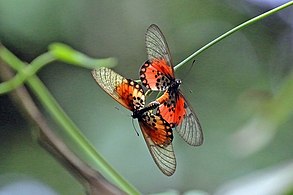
(172, 109)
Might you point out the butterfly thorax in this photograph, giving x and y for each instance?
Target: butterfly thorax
(173, 89)
(175, 84)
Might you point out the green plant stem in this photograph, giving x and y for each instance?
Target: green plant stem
(239, 27)
(25, 73)
(65, 122)
(58, 51)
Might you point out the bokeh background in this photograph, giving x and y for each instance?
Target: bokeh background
(227, 86)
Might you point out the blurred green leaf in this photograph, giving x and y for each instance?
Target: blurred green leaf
(68, 55)
(60, 52)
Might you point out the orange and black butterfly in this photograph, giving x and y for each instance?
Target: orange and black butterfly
(156, 131)
(157, 74)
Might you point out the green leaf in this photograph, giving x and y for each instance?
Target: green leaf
(68, 55)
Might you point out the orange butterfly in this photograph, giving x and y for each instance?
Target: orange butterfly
(157, 74)
(156, 131)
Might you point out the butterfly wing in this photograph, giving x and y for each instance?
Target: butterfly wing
(157, 72)
(158, 136)
(190, 129)
(156, 45)
(172, 107)
(176, 110)
(125, 91)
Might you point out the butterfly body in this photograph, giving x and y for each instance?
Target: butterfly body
(158, 118)
(139, 112)
(156, 131)
(157, 74)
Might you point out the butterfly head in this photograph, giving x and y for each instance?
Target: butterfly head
(176, 84)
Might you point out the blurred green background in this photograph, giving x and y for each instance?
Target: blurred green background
(227, 86)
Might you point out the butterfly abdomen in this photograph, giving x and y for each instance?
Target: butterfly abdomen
(138, 113)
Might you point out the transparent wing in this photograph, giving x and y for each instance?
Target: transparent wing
(125, 91)
(190, 129)
(176, 110)
(158, 136)
(157, 47)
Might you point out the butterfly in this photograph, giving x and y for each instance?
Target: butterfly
(157, 74)
(157, 132)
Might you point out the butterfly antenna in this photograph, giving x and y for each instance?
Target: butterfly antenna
(190, 67)
(122, 112)
(134, 127)
(193, 62)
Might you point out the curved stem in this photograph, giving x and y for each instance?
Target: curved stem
(241, 26)
(25, 73)
(58, 51)
(61, 118)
